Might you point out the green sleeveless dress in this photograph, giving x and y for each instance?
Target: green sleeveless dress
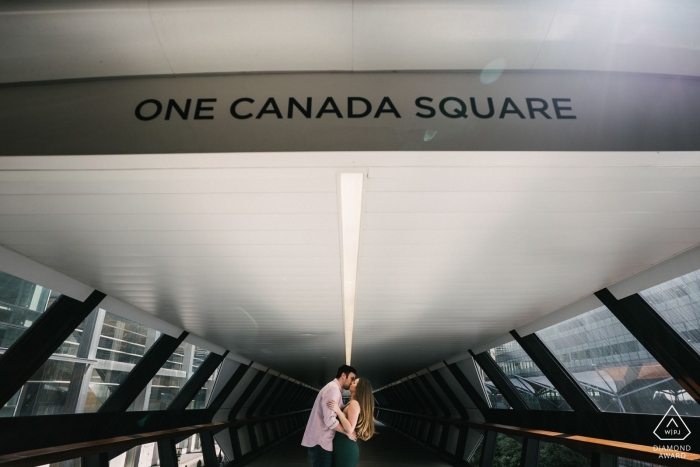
(346, 453)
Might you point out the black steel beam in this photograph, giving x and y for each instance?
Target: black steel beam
(230, 385)
(402, 397)
(530, 453)
(281, 397)
(197, 380)
(447, 390)
(245, 395)
(142, 373)
(396, 401)
(23, 358)
(265, 407)
(208, 449)
(261, 395)
(251, 412)
(501, 381)
(556, 373)
(488, 449)
(292, 398)
(421, 402)
(167, 453)
(468, 388)
(662, 341)
(435, 396)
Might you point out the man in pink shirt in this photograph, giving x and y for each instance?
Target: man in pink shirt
(323, 422)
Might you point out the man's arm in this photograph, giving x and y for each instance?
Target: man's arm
(329, 417)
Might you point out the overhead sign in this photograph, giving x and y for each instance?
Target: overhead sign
(520, 111)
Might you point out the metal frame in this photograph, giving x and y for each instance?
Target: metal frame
(658, 337)
(197, 380)
(467, 386)
(144, 371)
(494, 372)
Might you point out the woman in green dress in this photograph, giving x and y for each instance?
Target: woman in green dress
(357, 416)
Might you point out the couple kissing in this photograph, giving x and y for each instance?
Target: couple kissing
(333, 428)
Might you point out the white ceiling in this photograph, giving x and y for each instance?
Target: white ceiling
(455, 248)
(45, 40)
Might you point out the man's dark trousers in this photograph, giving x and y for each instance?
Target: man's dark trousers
(320, 457)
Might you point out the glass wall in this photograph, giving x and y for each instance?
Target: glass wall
(92, 362)
(507, 452)
(616, 371)
(556, 455)
(529, 381)
(121, 346)
(678, 302)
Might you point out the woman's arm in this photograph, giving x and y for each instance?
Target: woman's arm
(350, 422)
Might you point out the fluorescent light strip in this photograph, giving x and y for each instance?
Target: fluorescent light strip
(350, 214)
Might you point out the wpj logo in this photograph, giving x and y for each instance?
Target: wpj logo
(672, 428)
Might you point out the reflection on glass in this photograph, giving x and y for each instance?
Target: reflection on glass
(121, 340)
(616, 371)
(678, 302)
(102, 384)
(493, 395)
(49, 390)
(527, 378)
(556, 455)
(21, 303)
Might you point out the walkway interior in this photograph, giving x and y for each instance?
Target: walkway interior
(387, 447)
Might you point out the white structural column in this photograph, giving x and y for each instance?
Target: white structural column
(350, 215)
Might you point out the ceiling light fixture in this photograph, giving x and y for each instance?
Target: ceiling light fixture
(350, 214)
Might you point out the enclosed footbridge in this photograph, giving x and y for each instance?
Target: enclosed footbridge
(490, 209)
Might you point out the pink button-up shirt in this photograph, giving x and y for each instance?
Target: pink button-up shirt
(320, 428)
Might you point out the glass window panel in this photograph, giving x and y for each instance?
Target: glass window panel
(121, 346)
(678, 302)
(556, 455)
(494, 397)
(21, 303)
(202, 398)
(175, 372)
(507, 452)
(616, 371)
(526, 377)
(122, 340)
(199, 356)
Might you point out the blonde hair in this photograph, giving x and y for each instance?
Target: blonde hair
(365, 422)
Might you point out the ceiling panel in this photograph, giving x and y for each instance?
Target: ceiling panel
(88, 38)
(450, 257)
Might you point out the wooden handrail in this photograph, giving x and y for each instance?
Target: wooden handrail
(605, 446)
(72, 451)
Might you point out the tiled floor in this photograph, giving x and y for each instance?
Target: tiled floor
(387, 448)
